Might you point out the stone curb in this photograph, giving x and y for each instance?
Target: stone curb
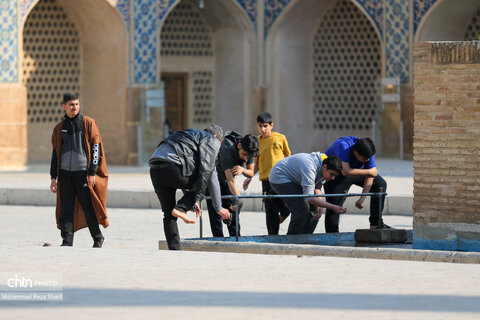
(398, 205)
(329, 251)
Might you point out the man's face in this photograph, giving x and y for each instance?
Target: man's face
(72, 108)
(360, 158)
(242, 154)
(265, 129)
(328, 175)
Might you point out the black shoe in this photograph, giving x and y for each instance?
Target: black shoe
(66, 244)
(98, 243)
(381, 226)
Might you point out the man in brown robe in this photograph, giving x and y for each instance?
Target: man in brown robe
(78, 173)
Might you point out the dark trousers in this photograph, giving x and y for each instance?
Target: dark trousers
(216, 223)
(71, 185)
(272, 208)
(166, 179)
(342, 185)
(302, 219)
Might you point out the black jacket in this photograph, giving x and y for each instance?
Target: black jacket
(197, 150)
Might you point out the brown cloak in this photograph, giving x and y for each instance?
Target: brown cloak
(98, 193)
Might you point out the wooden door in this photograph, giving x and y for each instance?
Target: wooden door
(175, 86)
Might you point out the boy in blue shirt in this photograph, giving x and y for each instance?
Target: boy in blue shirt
(359, 168)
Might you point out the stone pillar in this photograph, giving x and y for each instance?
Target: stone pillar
(13, 125)
(446, 149)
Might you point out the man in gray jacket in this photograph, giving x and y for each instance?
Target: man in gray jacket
(185, 160)
(305, 173)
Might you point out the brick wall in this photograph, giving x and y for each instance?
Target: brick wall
(446, 148)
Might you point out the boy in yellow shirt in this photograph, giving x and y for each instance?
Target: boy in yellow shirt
(273, 147)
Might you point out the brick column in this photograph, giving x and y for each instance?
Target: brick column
(446, 149)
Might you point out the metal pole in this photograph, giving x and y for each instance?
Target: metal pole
(201, 227)
(236, 218)
(380, 209)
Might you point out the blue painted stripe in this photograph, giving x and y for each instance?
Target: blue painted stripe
(457, 244)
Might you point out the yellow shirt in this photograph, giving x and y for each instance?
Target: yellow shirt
(272, 149)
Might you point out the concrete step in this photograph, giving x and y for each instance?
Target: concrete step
(395, 204)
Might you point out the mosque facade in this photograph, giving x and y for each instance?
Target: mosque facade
(322, 68)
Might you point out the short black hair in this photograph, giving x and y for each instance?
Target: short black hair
(250, 144)
(364, 147)
(333, 163)
(265, 117)
(69, 96)
(215, 130)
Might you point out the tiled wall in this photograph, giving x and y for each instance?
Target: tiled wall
(8, 41)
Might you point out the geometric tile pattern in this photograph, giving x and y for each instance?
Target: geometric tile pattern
(473, 29)
(123, 6)
(145, 41)
(250, 7)
(25, 6)
(148, 16)
(420, 9)
(397, 38)
(374, 9)
(347, 63)
(185, 32)
(273, 9)
(51, 63)
(8, 41)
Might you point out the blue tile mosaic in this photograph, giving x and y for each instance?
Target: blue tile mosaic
(123, 6)
(397, 39)
(374, 8)
(272, 10)
(145, 41)
(25, 6)
(421, 7)
(8, 41)
(163, 6)
(250, 7)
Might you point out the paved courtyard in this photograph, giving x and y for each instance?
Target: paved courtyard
(131, 279)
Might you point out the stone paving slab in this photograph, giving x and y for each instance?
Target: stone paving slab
(131, 279)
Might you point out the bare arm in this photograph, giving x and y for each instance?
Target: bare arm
(247, 181)
(248, 172)
(347, 171)
(231, 182)
(319, 202)
(367, 185)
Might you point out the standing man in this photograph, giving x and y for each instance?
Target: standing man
(78, 170)
(359, 168)
(185, 160)
(305, 173)
(236, 156)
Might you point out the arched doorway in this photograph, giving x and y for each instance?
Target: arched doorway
(323, 70)
(206, 56)
(78, 46)
(449, 21)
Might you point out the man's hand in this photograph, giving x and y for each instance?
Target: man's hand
(319, 212)
(359, 203)
(224, 213)
(373, 172)
(339, 209)
(237, 170)
(91, 181)
(53, 186)
(246, 183)
(240, 205)
(197, 210)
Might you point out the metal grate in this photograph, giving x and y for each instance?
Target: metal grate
(346, 69)
(51, 61)
(473, 29)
